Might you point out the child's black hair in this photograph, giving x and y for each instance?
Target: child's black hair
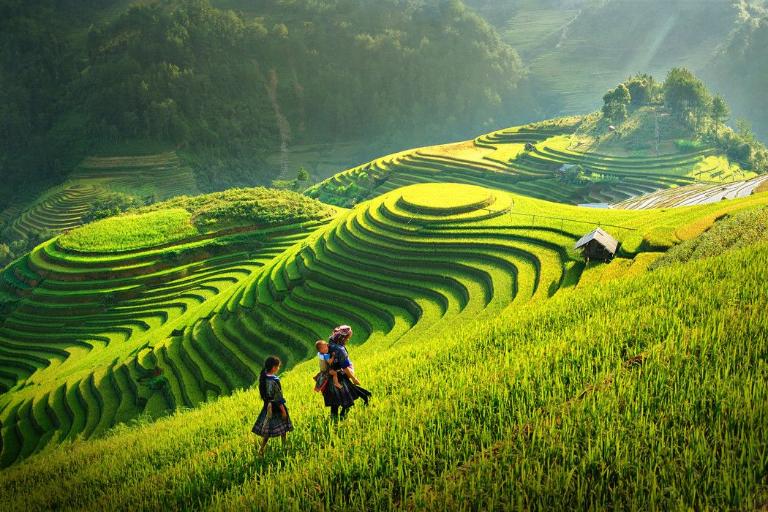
(269, 363)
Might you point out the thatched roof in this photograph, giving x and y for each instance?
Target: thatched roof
(601, 237)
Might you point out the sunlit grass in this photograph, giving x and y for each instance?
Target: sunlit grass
(542, 409)
(131, 232)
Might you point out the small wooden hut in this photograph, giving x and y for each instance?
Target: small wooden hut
(597, 245)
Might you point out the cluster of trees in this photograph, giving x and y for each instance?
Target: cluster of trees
(686, 97)
(40, 129)
(637, 91)
(13, 248)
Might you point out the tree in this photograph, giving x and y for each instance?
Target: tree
(5, 255)
(302, 175)
(615, 103)
(720, 111)
(641, 89)
(744, 129)
(686, 96)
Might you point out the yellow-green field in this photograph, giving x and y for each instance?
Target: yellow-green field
(612, 396)
(109, 327)
(608, 174)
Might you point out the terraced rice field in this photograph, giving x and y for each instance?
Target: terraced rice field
(693, 195)
(533, 406)
(9, 213)
(499, 160)
(161, 176)
(77, 353)
(99, 338)
(397, 266)
(60, 210)
(405, 261)
(157, 177)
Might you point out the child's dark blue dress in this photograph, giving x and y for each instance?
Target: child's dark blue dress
(276, 425)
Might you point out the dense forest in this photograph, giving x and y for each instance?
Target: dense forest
(236, 82)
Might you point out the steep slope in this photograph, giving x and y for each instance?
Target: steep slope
(162, 333)
(611, 169)
(82, 310)
(541, 407)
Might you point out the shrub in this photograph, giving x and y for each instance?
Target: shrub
(112, 204)
(688, 146)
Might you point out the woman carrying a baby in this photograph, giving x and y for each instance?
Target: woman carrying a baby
(338, 383)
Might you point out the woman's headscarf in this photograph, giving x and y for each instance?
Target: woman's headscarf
(340, 334)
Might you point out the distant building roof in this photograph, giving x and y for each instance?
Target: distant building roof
(603, 238)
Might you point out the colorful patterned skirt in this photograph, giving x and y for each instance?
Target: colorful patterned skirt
(274, 426)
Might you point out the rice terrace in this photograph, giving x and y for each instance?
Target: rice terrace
(528, 300)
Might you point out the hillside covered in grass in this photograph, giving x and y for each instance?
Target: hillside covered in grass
(92, 339)
(644, 393)
(79, 313)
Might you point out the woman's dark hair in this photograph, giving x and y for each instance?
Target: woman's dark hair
(269, 363)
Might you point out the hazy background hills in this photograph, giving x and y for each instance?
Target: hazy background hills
(248, 91)
(574, 49)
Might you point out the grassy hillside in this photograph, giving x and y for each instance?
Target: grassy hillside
(82, 312)
(613, 396)
(613, 165)
(166, 325)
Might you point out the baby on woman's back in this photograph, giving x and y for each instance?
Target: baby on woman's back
(326, 362)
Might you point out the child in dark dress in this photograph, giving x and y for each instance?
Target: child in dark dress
(273, 420)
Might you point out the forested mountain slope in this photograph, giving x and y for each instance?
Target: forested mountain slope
(233, 85)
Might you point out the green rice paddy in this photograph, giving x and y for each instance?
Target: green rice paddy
(62, 208)
(108, 328)
(536, 406)
(507, 373)
(499, 160)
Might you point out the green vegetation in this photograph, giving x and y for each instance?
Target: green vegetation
(570, 160)
(131, 232)
(98, 187)
(110, 204)
(246, 206)
(229, 81)
(740, 230)
(544, 408)
(83, 313)
(203, 312)
(507, 372)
